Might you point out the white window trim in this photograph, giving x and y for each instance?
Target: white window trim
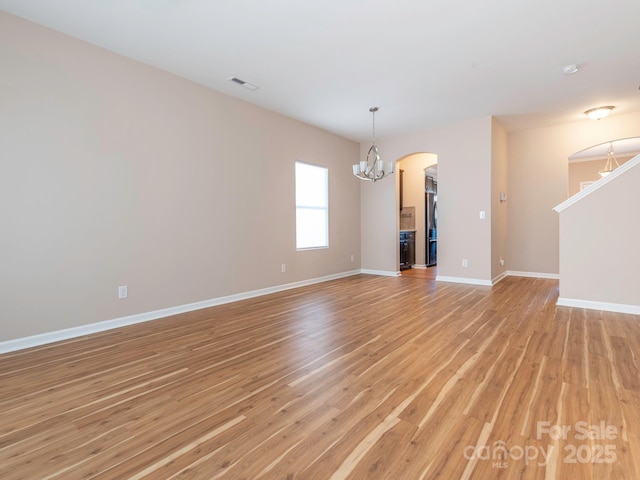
(324, 209)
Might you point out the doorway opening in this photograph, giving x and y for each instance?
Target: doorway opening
(417, 214)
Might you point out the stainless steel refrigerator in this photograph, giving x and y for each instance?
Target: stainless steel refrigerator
(431, 220)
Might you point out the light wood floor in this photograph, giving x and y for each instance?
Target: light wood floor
(365, 377)
(428, 273)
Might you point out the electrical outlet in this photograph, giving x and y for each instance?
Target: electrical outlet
(283, 268)
(501, 261)
(353, 257)
(123, 292)
(465, 263)
(483, 215)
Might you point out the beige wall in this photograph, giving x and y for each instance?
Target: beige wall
(464, 189)
(599, 243)
(538, 181)
(117, 173)
(472, 172)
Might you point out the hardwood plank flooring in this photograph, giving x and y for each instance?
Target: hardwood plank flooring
(363, 377)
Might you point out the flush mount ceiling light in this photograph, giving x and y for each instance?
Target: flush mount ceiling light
(598, 112)
(372, 168)
(247, 85)
(611, 159)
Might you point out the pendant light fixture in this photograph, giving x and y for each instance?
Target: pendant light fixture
(372, 168)
(611, 159)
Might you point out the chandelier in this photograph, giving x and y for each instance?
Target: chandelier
(372, 168)
(611, 159)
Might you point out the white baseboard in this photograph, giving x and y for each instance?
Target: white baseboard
(552, 276)
(82, 330)
(500, 277)
(470, 281)
(591, 305)
(385, 273)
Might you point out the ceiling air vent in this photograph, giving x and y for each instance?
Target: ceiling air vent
(247, 85)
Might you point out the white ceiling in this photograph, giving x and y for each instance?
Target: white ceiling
(425, 63)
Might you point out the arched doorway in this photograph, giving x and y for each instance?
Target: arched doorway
(413, 211)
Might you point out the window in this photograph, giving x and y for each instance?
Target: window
(312, 206)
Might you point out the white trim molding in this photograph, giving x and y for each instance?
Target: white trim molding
(598, 184)
(499, 277)
(470, 281)
(591, 305)
(82, 330)
(502, 276)
(551, 276)
(385, 273)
